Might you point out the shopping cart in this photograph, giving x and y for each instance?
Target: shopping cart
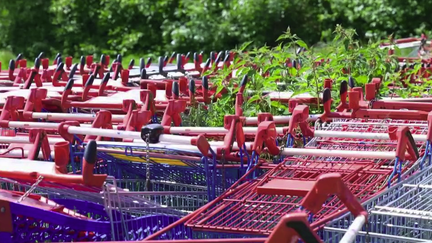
(315, 192)
(233, 136)
(109, 214)
(410, 48)
(103, 209)
(399, 214)
(368, 99)
(180, 159)
(365, 173)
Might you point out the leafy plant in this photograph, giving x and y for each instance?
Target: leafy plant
(285, 69)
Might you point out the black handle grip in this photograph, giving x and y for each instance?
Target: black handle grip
(172, 55)
(195, 57)
(207, 63)
(131, 63)
(219, 57)
(69, 84)
(326, 95)
(19, 57)
(300, 50)
(90, 80)
(142, 64)
(149, 60)
(179, 62)
(117, 70)
(227, 53)
(205, 82)
(161, 65)
(82, 61)
(143, 73)
(41, 55)
(188, 55)
(60, 67)
(119, 58)
(294, 64)
(73, 70)
(226, 58)
(303, 231)
(212, 56)
(32, 76)
(106, 78)
(244, 81)
(165, 59)
(176, 89)
(37, 63)
(90, 153)
(112, 66)
(102, 59)
(192, 86)
(351, 82)
(12, 64)
(344, 87)
(57, 56)
(404, 66)
(59, 60)
(412, 143)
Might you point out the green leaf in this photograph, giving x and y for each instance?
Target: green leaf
(245, 45)
(293, 71)
(361, 80)
(346, 44)
(301, 44)
(253, 99)
(277, 104)
(219, 89)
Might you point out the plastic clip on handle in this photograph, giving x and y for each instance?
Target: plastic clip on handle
(154, 133)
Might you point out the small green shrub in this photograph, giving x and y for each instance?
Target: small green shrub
(344, 52)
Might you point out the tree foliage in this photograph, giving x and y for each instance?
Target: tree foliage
(77, 27)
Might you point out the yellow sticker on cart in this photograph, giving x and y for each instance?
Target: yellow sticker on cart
(174, 162)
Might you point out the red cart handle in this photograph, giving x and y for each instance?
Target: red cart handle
(39, 138)
(405, 142)
(292, 227)
(10, 109)
(34, 102)
(266, 136)
(87, 178)
(331, 184)
(359, 112)
(299, 119)
(235, 132)
(11, 70)
(343, 93)
(103, 120)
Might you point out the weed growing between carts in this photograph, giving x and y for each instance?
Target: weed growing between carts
(268, 70)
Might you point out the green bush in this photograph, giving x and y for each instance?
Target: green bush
(343, 52)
